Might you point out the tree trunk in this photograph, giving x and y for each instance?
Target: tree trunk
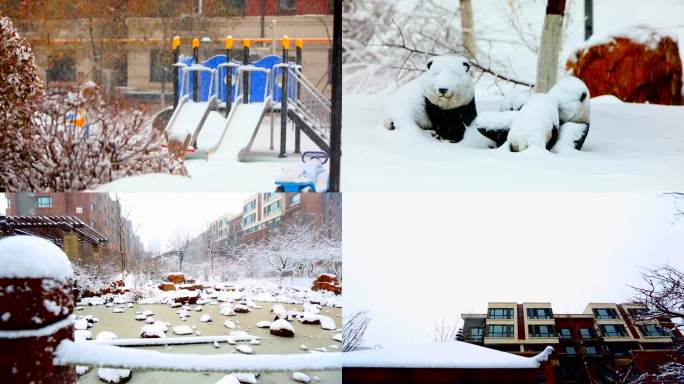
(468, 27)
(547, 62)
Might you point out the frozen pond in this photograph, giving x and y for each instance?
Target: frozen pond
(125, 326)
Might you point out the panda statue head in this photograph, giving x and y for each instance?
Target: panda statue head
(447, 83)
(573, 100)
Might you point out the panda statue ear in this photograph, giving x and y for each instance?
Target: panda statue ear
(429, 64)
(467, 66)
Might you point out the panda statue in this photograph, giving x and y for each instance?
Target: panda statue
(442, 99)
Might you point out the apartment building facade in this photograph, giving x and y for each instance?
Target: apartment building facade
(125, 44)
(585, 344)
(97, 210)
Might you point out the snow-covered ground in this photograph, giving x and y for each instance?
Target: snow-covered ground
(223, 172)
(630, 147)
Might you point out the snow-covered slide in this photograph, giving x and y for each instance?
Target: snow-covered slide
(189, 117)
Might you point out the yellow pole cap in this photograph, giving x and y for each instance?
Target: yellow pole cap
(246, 43)
(299, 43)
(195, 43)
(286, 42)
(229, 42)
(175, 43)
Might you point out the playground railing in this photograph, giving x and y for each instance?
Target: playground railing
(242, 69)
(311, 102)
(185, 84)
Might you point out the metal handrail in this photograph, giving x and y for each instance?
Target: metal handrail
(198, 68)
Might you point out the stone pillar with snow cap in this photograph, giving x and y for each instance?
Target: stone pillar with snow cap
(35, 306)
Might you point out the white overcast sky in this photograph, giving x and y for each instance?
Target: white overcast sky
(413, 259)
(159, 216)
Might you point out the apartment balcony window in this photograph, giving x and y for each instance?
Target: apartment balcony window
(249, 207)
(93, 207)
(590, 350)
(296, 199)
(249, 219)
(539, 313)
(44, 202)
(287, 6)
(500, 331)
(500, 313)
(540, 331)
(605, 313)
(565, 333)
(613, 330)
(587, 333)
(268, 196)
(272, 209)
(652, 330)
(476, 334)
(570, 351)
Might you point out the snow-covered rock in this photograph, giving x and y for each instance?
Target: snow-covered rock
(113, 376)
(246, 377)
(282, 328)
(246, 349)
(81, 324)
(82, 369)
(182, 330)
(228, 379)
(337, 337)
(301, 377)
(205, 318)
(82, 335)
(263, 324)
(152, 331)
(118, 310)
(327, 323)
(229, 324)
(140, 317)
(227, 310)
(106, 335)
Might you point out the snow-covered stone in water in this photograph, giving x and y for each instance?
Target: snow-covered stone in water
(33, 257)
(197, 332)
(279, 311)
(241, 336)
(152, 331)
(120, 300)
(230, 340)
(109, 305)
(327, 323)
(118, 310)
(228, 379)
(334, 346)
(246, 349)
(514, 100)
(186, 308)
(321, 349)
(241, 308)
(148, 312)
(263, 324)
(229, 324)
(282, 328)
(129, 305)
(82, 369)
(198, 308)
(301, 377)
(216, 344)
(536, 125)
(81, 324)
(150, 320)
(175, 305)
(91, 319)
(182, 330)
(162, 325)
(205, 318)
(309, 318)
(140, 317)
(227, 310)
(106, 335)
(313, 308)
(246, 377)
(82, 335)
(114, 376)
(255, 342)
(303, 347)
(337, 337)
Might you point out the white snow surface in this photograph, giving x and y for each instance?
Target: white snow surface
(636, 147)
(33, 257)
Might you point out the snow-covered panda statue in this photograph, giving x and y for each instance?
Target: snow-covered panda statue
(442, 99)
(536, 125)
(573, 97)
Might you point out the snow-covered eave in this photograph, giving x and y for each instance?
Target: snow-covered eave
(452, 355)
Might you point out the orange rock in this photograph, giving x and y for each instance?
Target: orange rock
(327, 282)
(167, 286)
(176, 278)
(631, 71)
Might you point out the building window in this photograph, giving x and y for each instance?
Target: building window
(247, 220)
(565, 333)
(92, 207)
(586, 333)
(500, 331)
(272, 209)
(249, 207)
(296, 198)
(9, 203)
(590, 350)
(287, 6)
(605, 313)
(476, 334)
(92, 223)
(613, 330)
(79, 209)
(160, 66)
(62, 68)
(540, 330)
(652, 330)
(539, 313)
(44, 202)
(500, 313)
(570, 351)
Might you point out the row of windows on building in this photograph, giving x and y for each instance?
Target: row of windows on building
(546, 313)
(606, 330)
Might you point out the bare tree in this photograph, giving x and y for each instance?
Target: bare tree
(354, 330)
(179, 245)
(210, 244)
(552, 34)
(444, 332)
(662, 292)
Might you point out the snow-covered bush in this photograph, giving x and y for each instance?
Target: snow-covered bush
(67, 142)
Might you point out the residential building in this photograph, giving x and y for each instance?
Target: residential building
(585, 344)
